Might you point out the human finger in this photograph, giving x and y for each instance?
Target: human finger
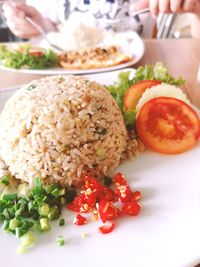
(175, 6)
(188, 5)
(136, 6)
(154, 7)
(164, 6)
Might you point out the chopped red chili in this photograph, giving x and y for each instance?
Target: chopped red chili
(131, 208)
(80, 220)
(107, 228)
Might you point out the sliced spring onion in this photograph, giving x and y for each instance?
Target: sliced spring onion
(60, 241)
(44, 223)
(5, 180)
(27, 241)
(62, 222)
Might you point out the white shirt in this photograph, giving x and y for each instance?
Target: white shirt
(58, 11)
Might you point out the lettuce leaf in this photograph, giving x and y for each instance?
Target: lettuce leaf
(147, 72)
(157, 72)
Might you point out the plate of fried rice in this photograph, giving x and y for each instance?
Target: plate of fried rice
(61, 127)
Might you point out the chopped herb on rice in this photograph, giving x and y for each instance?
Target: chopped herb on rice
(48, 132)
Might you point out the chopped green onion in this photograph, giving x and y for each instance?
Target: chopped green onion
(10, 197)
(101, 153)
(44, 223)
(13, 224)
(43, 209)
(60, 241)
(5, 226)
(53, 213)
(27, 241)
(62, 222)
(37, 181)
(5, 180)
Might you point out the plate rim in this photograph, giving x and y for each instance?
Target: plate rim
(55, 71)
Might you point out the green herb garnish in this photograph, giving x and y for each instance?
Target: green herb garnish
(62, 222)
(20, 214)
(60, 241)
(5, 180)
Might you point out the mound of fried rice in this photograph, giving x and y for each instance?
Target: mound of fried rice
(59, 128)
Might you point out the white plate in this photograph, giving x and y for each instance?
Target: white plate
(166, 234)
(135, 48)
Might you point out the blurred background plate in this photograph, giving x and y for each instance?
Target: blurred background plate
(134, 46)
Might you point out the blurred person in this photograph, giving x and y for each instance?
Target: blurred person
(176, 7)
(49, 14)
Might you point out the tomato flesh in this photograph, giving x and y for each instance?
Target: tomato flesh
(168, 125)
(134, 93)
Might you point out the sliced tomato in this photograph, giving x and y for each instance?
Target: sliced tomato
(134, 93)
(80, 220)
(168, 125)
(107, 228)
(36, 52)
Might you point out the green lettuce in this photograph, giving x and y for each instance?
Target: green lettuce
(118, 90)
(156, 72)
(16, 59)
(147, 72)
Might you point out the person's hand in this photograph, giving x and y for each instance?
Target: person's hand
(169, 6)
(15, 14)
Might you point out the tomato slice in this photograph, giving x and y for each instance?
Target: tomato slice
(134, 93)
(107, 228)
(168, 125)
(36, 52)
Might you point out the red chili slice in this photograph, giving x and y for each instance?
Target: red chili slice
(107, 228)
(131, 208)
(90, 197)
(124, 193)
(78, 205)
(119, 179)
(80, 220)
(107, 211)
(136, 195)
(107, 194)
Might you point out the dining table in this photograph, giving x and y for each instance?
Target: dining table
(181, 56)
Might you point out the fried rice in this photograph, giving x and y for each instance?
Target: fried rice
(59, 128)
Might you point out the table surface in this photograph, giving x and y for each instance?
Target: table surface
(181, 56)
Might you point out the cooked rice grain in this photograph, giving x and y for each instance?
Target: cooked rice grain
(61, 127)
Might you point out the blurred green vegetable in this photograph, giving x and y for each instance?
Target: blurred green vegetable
(18, 59)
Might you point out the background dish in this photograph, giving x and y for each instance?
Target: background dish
(165, 234)
(135, 47)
